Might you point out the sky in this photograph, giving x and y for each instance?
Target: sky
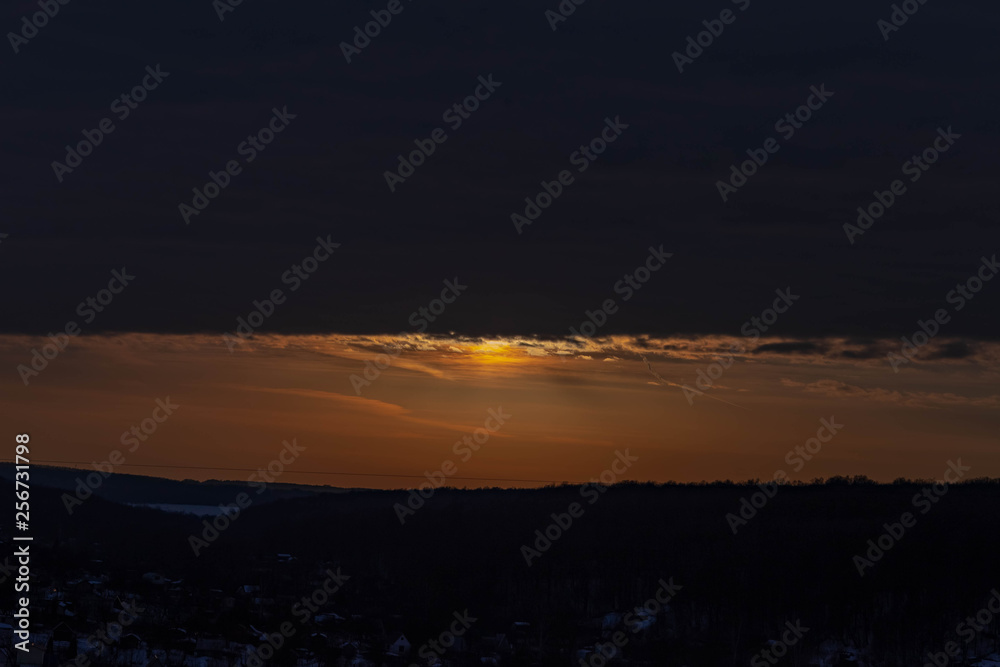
(504, 411)
(647, 235)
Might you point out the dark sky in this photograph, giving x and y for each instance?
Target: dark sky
(323, 175)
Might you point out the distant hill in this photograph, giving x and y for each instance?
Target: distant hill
(143, 489)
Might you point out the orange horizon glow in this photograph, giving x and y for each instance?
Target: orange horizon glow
(573, 403)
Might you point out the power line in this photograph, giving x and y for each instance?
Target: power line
(308, 472)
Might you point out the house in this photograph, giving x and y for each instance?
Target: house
(154, 578)
(306, 658)
(213, 647)
(64, 643)
(34, 656)
(130, 642)
(611, 620)
(38, 646)
(499, 644)
(519, 634)
(328, 618)
(400, 645)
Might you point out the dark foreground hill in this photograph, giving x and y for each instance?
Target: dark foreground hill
(802, 556)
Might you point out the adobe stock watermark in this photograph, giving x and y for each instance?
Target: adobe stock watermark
(454, 115)
(914, 168)
(607, 651)
(713, 29)
(592, 491)
(779, 648)
(223, 7)
(894, 532)
(294, 277)
(87, 309)
(464, 449)
(786, 126)
(303, 610)
(796, 458)
(372, 29)
(751, 329)
(37, 21)
(629, 284)
(135, 436)
(563, 11)
(122, 106)
(248, 149)
(258, 481)
(926, 330)
(434, 649)
(581, 158)
(420, 318)
(898, 17)
(109, 635)
(967, 630)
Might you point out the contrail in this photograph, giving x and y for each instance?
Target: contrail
(674, 384)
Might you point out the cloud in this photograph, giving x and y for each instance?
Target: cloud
(444, 356)
(802, 347)
(958, 349)
(910, 399)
